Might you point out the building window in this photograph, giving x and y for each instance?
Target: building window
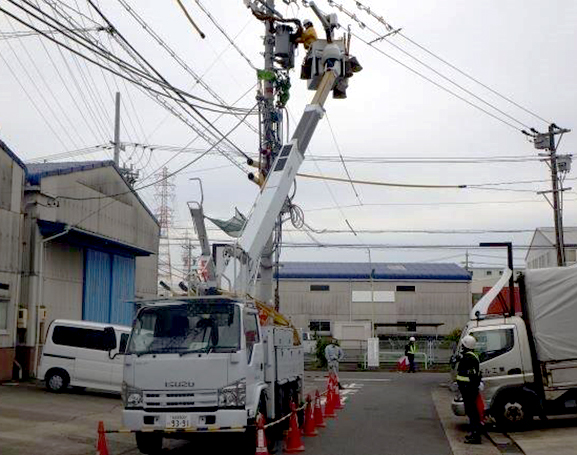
(320, 287)
(489, 272)
(320, 326)
(3, 314)
(403, 288)
(571, 255)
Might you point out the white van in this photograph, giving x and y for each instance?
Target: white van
(83, 354)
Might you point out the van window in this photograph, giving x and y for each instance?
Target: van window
(79, 337)
(493, 343)
(123, 342)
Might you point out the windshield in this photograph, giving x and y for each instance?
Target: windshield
(190, 327)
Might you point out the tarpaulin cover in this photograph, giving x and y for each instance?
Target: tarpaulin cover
(552, 302)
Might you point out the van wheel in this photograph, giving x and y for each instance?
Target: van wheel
(57, 380)
(149, 443)
(513, 412)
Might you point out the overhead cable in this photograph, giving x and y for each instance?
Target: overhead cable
(380, 19)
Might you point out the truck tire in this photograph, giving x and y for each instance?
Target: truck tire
(513, 411)
(57, 380)
(149, 443)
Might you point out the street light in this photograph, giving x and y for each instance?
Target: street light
(509, 246)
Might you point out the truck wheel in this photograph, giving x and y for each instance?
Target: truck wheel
(149, 443)
(514, 411)
(57, 380)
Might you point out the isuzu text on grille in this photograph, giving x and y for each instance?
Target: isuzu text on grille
(179, 384)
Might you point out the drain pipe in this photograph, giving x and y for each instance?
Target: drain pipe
(40, 289)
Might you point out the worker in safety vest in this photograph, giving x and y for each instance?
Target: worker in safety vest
(468, 380)
(410, 351)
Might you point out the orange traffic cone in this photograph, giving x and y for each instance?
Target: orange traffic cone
(330, 404)
(309, 425)
(318, 413)
(337, 395)
(294, 442)
(261, 446)
(101, 445)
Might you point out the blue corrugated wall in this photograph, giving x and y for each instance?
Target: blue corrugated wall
(121, 312)
(108, 283)
(97, 286)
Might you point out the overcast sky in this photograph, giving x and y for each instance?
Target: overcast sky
(524, 49)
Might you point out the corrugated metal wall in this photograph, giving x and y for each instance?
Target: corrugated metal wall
(121, 312)
(97, 286)
(108, 283)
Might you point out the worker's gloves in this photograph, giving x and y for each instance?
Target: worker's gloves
(481, 386)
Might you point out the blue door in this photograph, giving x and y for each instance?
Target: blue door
(108, 285)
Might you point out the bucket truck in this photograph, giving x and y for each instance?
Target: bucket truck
(213, 362)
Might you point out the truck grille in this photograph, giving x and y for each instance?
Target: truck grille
(174, 399)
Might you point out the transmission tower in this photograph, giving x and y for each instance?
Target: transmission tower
(164, 196)
(188, 260)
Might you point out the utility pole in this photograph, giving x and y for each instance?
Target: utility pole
(547, 141)
(117, 131)
(268, 150)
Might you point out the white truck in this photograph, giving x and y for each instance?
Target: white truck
(529, 362)
(209, 363)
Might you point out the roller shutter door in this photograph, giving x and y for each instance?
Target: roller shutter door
(108, 284)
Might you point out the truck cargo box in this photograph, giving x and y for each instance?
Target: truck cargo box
(552, 308)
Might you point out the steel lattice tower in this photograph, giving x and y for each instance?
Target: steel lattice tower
(164, 196)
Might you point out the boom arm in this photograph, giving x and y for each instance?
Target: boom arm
(277, 186)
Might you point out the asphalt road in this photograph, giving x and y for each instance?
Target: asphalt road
(385, 413)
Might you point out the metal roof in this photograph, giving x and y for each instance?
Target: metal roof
(36, 171)
(12, 155)
(569, 235)
(382, 271)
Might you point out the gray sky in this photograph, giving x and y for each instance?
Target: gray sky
(522, 49)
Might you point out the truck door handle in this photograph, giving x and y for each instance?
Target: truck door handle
(514, 371)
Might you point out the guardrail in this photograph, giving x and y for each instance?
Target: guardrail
(394, 356)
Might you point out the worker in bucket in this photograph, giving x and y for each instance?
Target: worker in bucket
(469, 380)
(334, 354)
(307, 36)
(410, 351)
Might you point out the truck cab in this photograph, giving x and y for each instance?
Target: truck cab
(506, 367)
(204, 364)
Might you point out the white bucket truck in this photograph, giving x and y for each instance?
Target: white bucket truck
(529, 362)
(207, 363)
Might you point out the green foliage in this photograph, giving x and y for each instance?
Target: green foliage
(455, 335)
(322, 343)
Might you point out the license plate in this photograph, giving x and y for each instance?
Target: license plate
(178, 421)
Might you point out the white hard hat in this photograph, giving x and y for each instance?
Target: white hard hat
(412, 339)
(306, 23)
(469, 342)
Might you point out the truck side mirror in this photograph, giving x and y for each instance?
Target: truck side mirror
(109, 339)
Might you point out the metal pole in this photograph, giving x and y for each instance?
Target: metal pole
(556, 206)
(511, 278)
(265, 289)
(117, 131)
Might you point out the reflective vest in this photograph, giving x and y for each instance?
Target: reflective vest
(412, 349)
(471, 372)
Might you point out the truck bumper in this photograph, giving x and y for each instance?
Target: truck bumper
(225, 420)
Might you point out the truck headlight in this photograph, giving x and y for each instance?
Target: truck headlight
(233, 395)
(131, 397)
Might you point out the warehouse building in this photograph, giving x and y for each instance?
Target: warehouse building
(542, 250)
(90, 250)
(12, 178)
(397, 298)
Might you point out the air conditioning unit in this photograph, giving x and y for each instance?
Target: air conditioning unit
(22, 318)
